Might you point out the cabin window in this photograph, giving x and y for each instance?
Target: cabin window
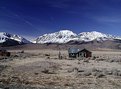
(83, 54)
(72, 54)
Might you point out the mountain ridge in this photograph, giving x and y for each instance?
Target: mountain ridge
(7, 39)
(64, 36)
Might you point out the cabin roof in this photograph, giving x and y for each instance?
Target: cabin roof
(73, 50)
(85, 50)
(76, 50)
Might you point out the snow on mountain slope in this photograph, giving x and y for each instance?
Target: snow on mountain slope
(62, 36)
(65, 36)
(90, 36)
(5, 36)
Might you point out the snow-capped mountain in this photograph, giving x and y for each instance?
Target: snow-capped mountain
(94, 35)
(6, 36)
(65, 36)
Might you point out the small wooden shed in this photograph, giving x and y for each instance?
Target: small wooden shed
(77, 53)
(84, 53)
(4, 52)
(73, 52)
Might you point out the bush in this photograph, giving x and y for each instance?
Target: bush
(100, 75)
(115, 72)
(2, 67)
(94, 58)
(86, 73)
(114, 60)
(70, 70)
(47, 54)
(100, 59)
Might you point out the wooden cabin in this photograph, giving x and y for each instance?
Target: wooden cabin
(4, 52)
(73, 52)
(84, 53)
(77, 53)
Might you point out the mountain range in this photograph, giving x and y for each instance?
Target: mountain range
(61, 37)
(66, 36)
(7, 39)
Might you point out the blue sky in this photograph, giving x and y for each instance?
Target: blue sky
(31, 18)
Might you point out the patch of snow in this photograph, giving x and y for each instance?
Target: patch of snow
(4, 36)
(63, 36)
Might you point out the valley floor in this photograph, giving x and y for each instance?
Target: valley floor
(41, 69)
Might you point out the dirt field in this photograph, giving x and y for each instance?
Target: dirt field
(41, 69)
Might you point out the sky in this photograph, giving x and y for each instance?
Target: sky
(32, 18)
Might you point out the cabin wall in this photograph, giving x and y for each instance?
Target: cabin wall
(88, 54)
(72, 55)
(84, 54)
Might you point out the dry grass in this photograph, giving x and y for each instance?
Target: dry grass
(36, 69)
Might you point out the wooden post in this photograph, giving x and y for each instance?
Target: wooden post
(59, 54)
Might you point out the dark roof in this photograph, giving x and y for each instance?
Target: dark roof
(73, 50)
(85, 50)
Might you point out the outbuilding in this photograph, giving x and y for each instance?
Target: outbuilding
(73, 52)
(77, 53)
(4, 52)
(84, 53)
